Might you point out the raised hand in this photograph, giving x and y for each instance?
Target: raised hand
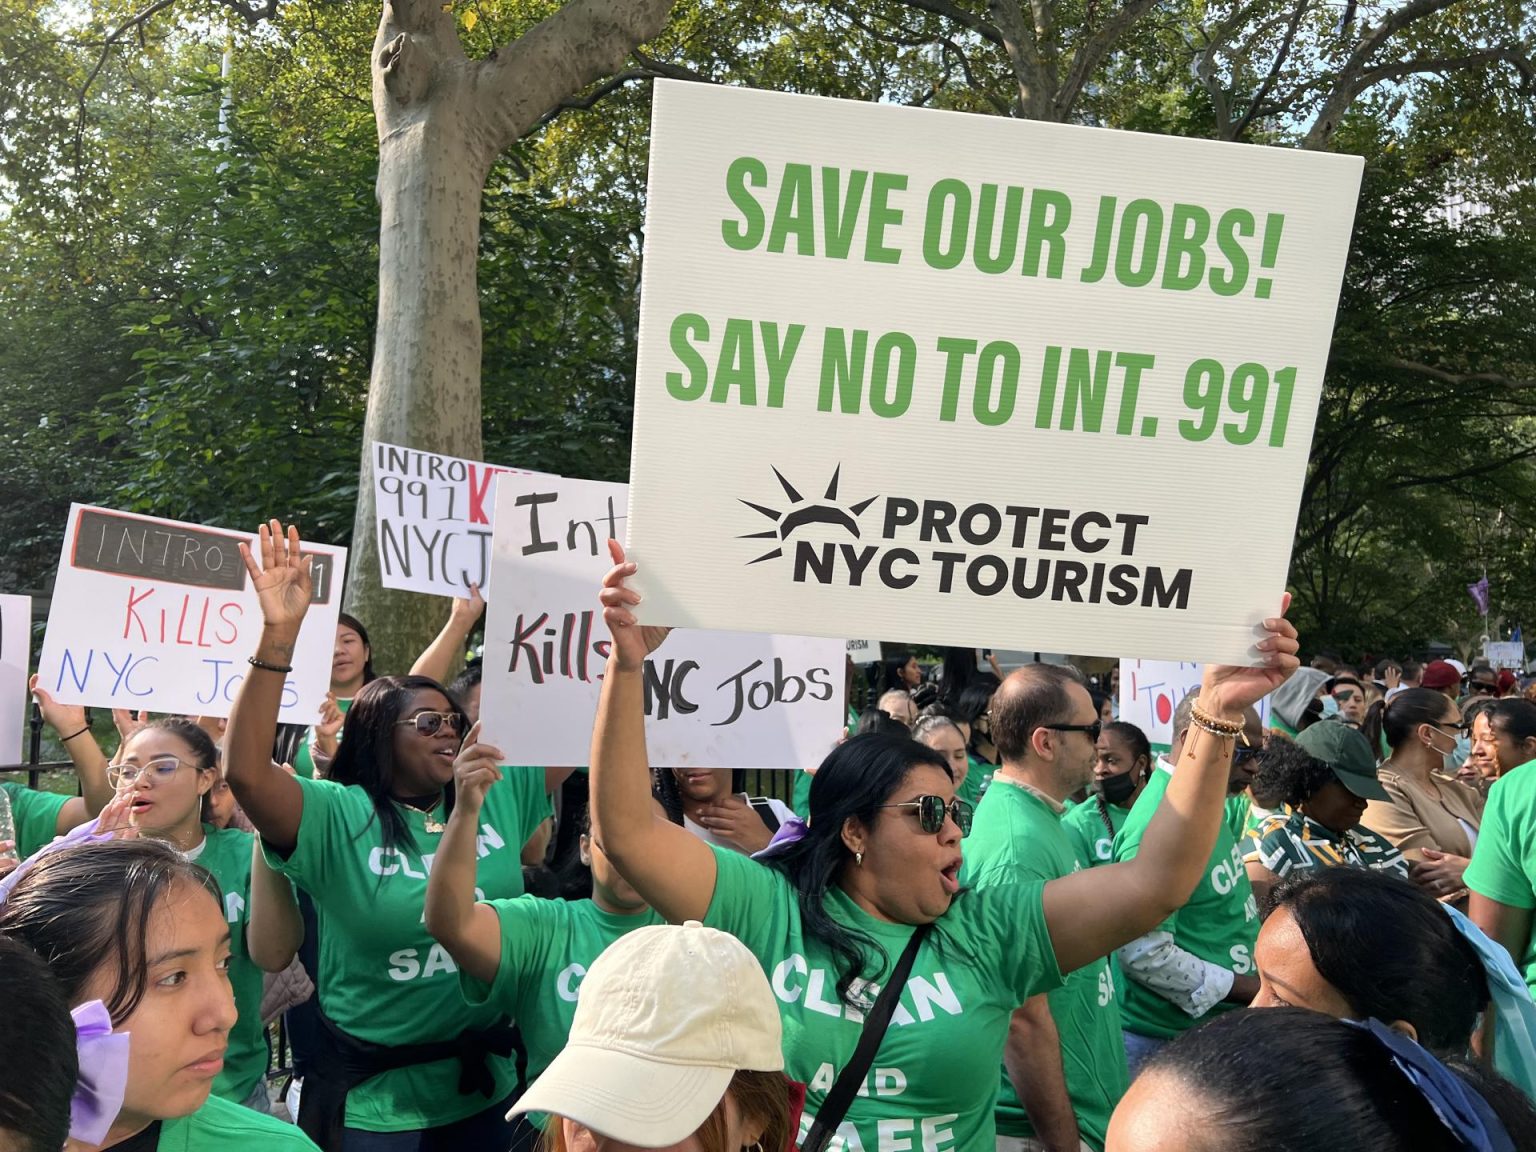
(1231, 689)
(127, 723)
(478, 767)
(282, 582)
(117, 817)
(331, 720)
(632, 643)
(64, 719)
(467, 610)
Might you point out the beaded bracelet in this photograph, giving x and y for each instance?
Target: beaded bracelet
(1226, 729)
(265, 667)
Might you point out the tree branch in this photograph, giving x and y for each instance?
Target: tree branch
(1274, 72)
(583, 42)
(668, 70)
(960, 16)
(1453, 378)
(1035, 94)
(1088, 58)
(1343, 93)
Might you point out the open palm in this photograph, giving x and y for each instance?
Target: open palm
(282, 581)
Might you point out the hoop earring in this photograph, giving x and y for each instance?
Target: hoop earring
(755, 1146)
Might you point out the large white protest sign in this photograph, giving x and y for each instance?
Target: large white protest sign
(716, 699)
(159, 615)
(1150, 691)
(432, 514)
(1007, 383)
(1505, 654)
(15, 652)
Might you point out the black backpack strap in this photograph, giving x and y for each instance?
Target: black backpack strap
(851, 1078)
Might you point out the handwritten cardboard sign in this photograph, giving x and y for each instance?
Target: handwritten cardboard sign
(159, 615)
(1150, 691)
(433, 518)
(1122, 336)
(718, 699)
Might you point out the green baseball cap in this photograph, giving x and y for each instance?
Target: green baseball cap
(1348, 753)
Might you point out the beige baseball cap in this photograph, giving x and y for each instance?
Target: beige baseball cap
(665, 1017)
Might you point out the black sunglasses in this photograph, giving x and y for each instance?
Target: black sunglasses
(1092, 730)
(931, 811)
(1464, 726)
(1244, 754)
(431, 723)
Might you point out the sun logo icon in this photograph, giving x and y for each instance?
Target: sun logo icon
(802, 513)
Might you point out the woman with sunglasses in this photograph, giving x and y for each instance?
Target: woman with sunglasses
(1430, 817)
(167, 769)
(829, 912)
(404, 1063)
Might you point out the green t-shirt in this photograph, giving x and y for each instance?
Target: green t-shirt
(304, 759)
(36, 816)
(382, 977)
(220, 1125)
(977, 780)
(227, 854)
(1017, 838)
(1219, 923)
(933, 1079)
(1503, 864)
(800, 798)
(1093, 843)
(546, 948)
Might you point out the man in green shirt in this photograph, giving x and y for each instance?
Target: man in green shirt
(1064, 1065)
(1200, 959)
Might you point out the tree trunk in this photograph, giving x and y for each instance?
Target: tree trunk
(443, 119)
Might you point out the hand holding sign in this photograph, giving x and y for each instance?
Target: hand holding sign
(475, 770)
(64, 719)
(282, 584)
(631, 643)
(1232, 689)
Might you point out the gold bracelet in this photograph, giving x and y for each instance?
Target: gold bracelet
(1226, 729)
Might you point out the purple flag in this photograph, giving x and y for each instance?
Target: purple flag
(1479, 594)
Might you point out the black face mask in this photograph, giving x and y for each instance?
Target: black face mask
(1117, 789)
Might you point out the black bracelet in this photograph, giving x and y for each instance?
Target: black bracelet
(72, 735)
(265, 667)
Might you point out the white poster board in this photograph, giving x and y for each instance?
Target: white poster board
(1115, 341)
(864, 651)
(1150, 691)
(721, 700)
(159, 615)
(432, 514)
(15, 654)
(1505, 654)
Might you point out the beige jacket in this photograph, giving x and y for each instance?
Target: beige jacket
(1421, 816)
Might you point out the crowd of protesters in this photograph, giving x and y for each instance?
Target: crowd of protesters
(995, 916)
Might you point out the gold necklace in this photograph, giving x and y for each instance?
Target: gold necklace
(431, 826)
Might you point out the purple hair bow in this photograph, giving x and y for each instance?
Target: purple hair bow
(103, 1080)
(792, 830)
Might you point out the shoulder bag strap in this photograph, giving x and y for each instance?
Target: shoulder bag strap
(851, 1078)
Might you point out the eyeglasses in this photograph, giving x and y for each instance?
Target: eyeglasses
(931, 811)
(1346, 695)
(1092, 730)
(1445, 725)
(159, 769)
(1243, 755)
(1484, 687)
(431, 723)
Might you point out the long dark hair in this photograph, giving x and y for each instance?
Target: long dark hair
(1390, 950)
(87, 907)
(890, 678)
(958, 669)
(1278, 1079)
(852, 783)
(38, 1061)
(345, 620)
(972, 705)
(1395, 720)
(366, 756)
